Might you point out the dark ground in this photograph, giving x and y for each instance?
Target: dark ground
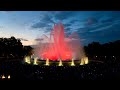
(92, 71)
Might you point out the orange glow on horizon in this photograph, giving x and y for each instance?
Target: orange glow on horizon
(27, 43)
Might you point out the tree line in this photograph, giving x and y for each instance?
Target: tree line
(13, 48)
(107, 49)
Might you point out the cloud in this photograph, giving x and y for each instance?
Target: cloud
(91, 21)
(106, 19)
(67, 25)
(101, 29)
(67, 29)
(49, 18)
(62, 15)
(106, 26)
(23, 39)
(73, 21)
(45, 21)
(99, 26)
(105, 34)
(82, 30)
(82, 39)
(39, 25)
(39, 39)
(94, 28)
(115, 14)
(105, 30)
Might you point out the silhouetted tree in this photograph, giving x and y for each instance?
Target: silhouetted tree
(108, 49)
(11, 47)
(28, 50)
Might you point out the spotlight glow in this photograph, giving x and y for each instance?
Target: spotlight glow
(82, 62)
(27, 59)
(35, 61)
(86, 60)
(3, 77)
(72, 63)
(60, 63)
(47, 62)
(8, 76)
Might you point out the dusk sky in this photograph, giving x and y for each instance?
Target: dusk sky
(99, 26)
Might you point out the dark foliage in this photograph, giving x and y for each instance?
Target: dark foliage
(107, 49)
(12, 48)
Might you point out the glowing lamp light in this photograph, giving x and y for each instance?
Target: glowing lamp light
(82, 61)
(72, 63)
(27, 59)
(3, 77)
(35, 61)
(47, 62)
(60, 63)
(86, 60)
(8, 76)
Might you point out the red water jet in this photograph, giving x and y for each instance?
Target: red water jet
(58, 46)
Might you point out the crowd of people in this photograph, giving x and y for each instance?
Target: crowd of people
(92, 71)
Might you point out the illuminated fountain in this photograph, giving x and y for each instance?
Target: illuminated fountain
(86, 60)
(8, 76)
(60, 63)
(27, 59)
(58, 47)
(47, 62)
(35, 61)
(3, 77)
(72, 63)
(82, 61)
